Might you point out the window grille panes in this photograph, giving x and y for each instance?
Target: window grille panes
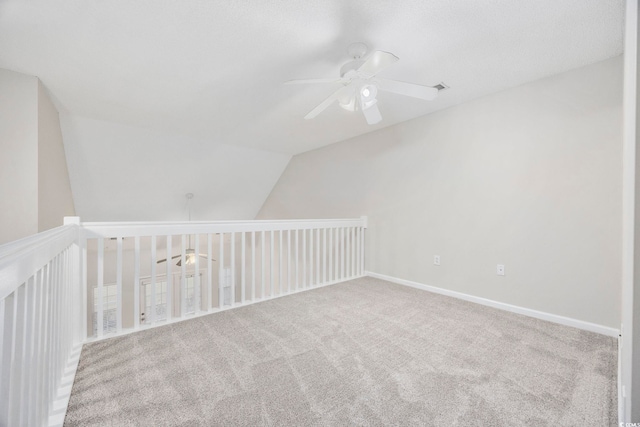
(161, 301)
(109, 299)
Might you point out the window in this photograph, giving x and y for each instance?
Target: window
(161, 301)
(109, 319)
(161, 296)
(109, 295)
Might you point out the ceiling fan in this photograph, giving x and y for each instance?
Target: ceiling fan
(190, 254)
(360, 84)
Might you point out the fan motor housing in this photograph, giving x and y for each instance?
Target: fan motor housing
(350, 66)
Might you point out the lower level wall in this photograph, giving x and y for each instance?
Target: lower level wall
(529, 178)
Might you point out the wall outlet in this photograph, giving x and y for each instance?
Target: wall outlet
(500, 270)
(436, 260)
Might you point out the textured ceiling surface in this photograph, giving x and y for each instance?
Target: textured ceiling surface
(213, 70)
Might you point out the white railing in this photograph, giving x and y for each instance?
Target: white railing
(221, 265)
(80, 282)
(40, 336)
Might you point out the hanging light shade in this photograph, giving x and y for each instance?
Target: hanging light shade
(190, 254)
(368, 95)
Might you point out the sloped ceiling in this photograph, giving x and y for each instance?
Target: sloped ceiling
(125, 173)
(203, 79)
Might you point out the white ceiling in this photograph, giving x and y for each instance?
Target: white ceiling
(159, 98)
(213, 70)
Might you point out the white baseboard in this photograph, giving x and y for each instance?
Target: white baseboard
(567, 321)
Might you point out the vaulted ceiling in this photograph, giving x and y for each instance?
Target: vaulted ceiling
(205, 73)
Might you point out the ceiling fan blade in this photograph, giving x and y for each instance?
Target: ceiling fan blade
(372, 114)
(408, 89)
(179, 263)
(313, 81)
(324, 104)
(376, 62)
(205, 257)
(165, 260)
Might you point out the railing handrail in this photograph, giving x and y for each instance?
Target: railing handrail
(242, 221)
(130, 229)
(21, 258)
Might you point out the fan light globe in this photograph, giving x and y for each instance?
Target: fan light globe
(368, 96)
(368, 92)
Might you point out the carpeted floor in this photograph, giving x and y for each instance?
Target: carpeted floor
(365, 352)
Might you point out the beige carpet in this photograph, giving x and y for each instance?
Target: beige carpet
(365, 353)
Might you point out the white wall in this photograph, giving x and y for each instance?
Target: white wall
(18, 155)
(35, 193)
(55, 200)
(529, 177)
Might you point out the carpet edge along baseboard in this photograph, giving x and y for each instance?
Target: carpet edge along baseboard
(555, 318)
